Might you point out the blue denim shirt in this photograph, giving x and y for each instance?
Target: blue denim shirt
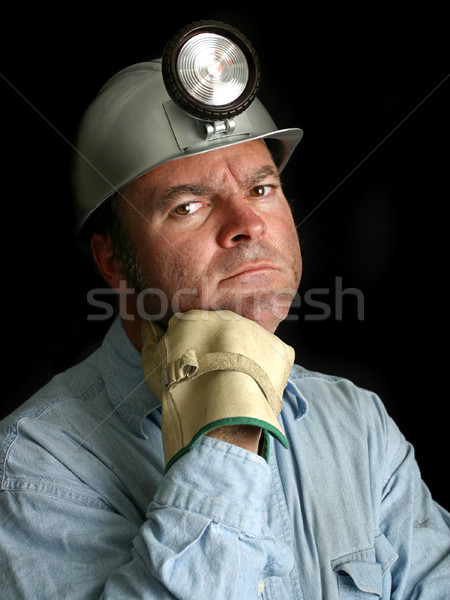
(86, 511)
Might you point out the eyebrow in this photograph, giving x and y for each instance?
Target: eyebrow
(199, 190)
(179, 190)
(266, 171)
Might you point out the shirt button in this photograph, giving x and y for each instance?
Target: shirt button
(261, 586)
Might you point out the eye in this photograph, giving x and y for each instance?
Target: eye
(259, 191)
(187, 208)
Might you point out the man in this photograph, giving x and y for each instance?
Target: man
(188, 457)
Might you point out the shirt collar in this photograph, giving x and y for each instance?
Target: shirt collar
(121, 368)
(302, 402)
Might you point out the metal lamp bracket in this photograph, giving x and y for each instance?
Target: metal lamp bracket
(189, 131)
(215, 129)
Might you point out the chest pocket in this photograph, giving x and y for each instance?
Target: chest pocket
(365, 575)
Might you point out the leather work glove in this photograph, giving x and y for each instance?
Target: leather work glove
(211, 369)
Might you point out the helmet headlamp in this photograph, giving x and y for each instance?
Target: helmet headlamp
(200, 96)
(211, 71)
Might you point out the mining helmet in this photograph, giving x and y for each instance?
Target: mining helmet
(200, 96)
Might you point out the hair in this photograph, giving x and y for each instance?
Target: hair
(107, 220)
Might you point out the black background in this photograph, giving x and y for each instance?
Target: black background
(369, 87)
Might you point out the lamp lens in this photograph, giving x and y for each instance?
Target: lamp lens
(212, 69)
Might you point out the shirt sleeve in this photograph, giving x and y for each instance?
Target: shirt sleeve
(205, 535)
(417, 528)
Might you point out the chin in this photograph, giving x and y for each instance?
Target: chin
(269, 323)
(264, 312)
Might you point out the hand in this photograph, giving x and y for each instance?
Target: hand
(212, 369)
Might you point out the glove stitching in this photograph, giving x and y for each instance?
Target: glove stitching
(229, 361)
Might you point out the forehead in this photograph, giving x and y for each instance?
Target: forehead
(241, 160)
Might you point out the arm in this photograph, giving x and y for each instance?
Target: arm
(204, 535)
(219, 545)
(416, 527)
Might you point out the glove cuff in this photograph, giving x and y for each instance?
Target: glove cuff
(268, 430)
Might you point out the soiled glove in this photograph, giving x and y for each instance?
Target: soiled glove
(210, 369)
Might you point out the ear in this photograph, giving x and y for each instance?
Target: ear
(106, 260)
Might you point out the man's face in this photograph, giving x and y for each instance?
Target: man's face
(214, 231)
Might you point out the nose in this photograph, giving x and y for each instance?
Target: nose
(239, 223)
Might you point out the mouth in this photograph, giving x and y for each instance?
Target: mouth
(250, 270)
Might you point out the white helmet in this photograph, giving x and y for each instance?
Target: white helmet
(199, 97)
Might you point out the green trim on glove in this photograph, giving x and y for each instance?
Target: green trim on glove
(267, 431)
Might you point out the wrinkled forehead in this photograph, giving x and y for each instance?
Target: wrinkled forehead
(241, 166)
